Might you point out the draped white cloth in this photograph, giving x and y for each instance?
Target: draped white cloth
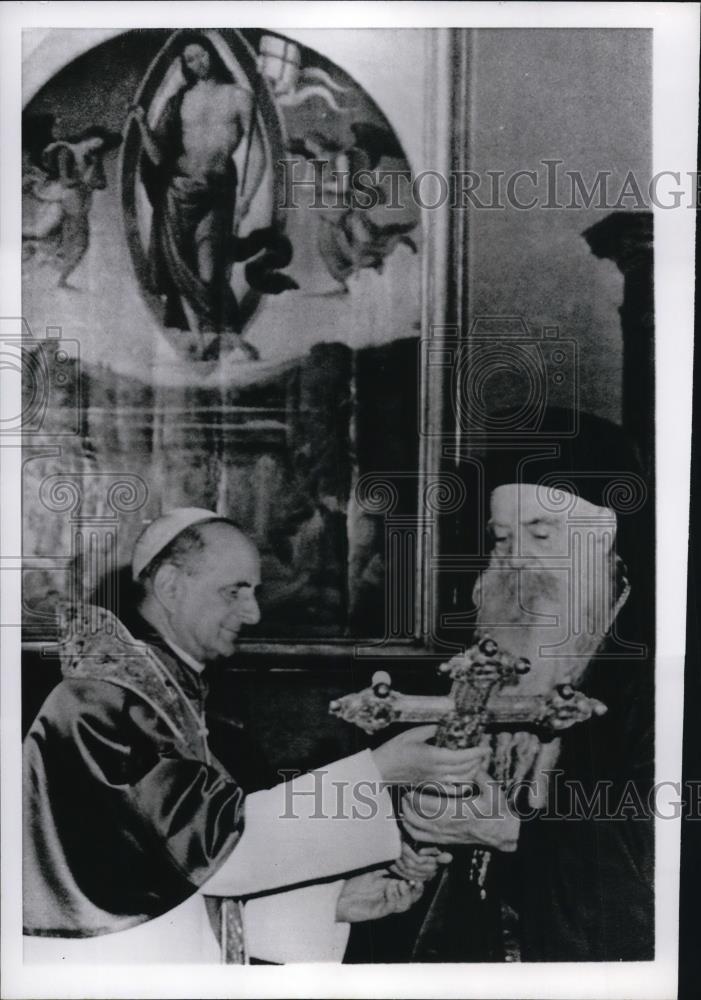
(318, 826)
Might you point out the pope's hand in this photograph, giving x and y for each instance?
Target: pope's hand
(484, 819)
(409, 759)
(421, 865)
(374, 895)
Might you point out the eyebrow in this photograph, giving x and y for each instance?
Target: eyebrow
(492, 523)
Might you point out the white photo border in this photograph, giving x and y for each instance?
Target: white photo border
(675, 89)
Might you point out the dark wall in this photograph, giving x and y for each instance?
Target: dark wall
(583, 97)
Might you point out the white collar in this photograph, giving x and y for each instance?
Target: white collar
(185, 657)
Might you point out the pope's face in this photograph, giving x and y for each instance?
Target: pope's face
(217, 596)
(197, 61)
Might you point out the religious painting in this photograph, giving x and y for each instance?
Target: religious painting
(248, 320)
(434, 413)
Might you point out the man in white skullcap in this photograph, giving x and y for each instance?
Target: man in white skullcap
(139, 845)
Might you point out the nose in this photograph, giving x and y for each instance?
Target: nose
(504, 545)
(250, 611)
(527, 546)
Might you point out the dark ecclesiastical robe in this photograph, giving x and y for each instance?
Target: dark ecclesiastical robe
(135, 845)
(580, 887)
(126, 811)
(584, 872)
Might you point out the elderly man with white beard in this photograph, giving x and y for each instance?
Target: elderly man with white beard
(570, 522)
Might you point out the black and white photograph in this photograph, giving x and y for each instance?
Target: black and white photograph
(345, 451)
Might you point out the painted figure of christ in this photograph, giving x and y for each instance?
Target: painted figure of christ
(192, 182)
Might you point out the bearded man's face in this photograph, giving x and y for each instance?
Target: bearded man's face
(551, 588)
